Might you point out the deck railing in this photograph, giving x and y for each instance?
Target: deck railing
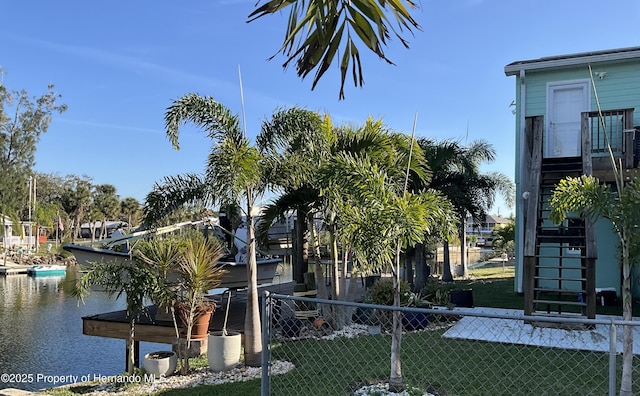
(611, 128)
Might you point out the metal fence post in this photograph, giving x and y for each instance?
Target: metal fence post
(266, 325)
(612, 359)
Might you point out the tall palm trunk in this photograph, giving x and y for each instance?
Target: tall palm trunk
(446, 266)
(626, 382)
(339, 271)
(321, 287)
(421, 267)
(252, 334)
(130, 345)
(408, 265)
(395, 379)
(463, 270)
(300, 262)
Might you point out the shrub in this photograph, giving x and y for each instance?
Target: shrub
(381, 293)
(436, 292)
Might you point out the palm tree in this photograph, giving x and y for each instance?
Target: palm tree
(378, 217)
(107, 203)
(316, 30)
(504, 237)
(457, 175)
(299, 144)
(130, 207)
(76, 199)
(294, 144)
(233, 175)
(591, 199)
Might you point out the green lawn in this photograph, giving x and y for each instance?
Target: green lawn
(446, 366)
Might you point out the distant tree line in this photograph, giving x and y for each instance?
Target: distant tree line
(65, 203)
(60, 203)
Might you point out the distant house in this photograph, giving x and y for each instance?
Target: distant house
(483, 230)
(559, 133)
(16, 235)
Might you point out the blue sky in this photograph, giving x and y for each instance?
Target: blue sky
(118, 65)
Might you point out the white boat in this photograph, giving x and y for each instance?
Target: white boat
(47, 270)
(88, 255)
(235, 278)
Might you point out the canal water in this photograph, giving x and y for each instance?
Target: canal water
(41, 335)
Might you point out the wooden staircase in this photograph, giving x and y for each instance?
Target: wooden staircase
(559, 260)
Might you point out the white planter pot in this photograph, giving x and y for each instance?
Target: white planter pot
(160, 363)
(223, 351)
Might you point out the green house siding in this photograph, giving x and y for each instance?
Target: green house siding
(608, 272)
(618, 88)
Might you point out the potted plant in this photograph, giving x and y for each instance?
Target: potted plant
(186, 267)
(163, 255)
(198, 271)
(413, 320)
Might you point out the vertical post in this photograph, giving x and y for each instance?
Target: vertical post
(612, 359)
(136, 353)
(266, 326)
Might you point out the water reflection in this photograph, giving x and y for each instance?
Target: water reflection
(41, 332)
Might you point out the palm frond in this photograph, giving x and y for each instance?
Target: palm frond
(172, 193)
(317, 30)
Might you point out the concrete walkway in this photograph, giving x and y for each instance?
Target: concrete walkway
(516, 331)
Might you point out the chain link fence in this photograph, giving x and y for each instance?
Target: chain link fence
(341, 348)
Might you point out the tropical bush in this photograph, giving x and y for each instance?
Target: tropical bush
(381, 293)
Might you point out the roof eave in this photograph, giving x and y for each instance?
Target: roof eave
(514, 68)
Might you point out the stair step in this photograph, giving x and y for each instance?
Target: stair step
(566, 267)
(568, 256)
(559, 291)
(560, 278)
(546, 234)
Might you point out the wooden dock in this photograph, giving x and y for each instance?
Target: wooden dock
(116, 324)
(13, 269)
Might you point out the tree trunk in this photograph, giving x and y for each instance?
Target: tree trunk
(300, 259)
(626, 382)
(395, 379)
(463, 271)
(321, 287)
(408, 265)
(130, 347)
(446, 267)
(92, 227)
(421, 267)
(343, 315)
(252, 328)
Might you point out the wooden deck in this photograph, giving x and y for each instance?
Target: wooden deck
(13, 269)
(116, 324)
